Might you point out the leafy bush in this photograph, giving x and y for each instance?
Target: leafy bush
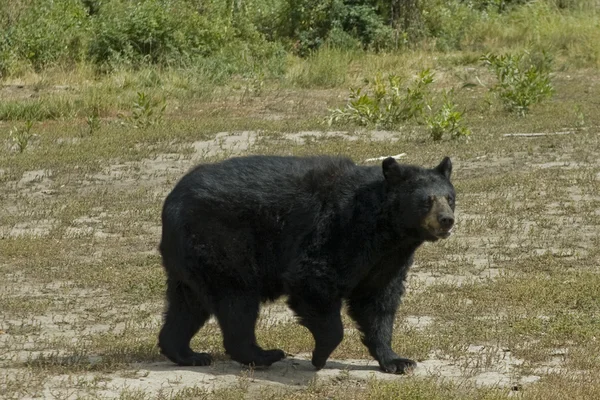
(154, 31)
(46, 32)
(114, 33)
(522, 81)
(389, 104)
(364, 21)
(308, 24)
(449, 22)
(213, 38)
(446, 120)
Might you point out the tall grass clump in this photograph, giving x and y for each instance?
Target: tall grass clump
(568, 29)
(36, 109)
(324, 68)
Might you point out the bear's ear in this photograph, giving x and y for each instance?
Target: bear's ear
(391, 170)
(445, 167)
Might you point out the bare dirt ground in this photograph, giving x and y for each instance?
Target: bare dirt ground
(61, 338)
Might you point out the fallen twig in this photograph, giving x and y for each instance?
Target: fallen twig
(384, 157)
(537, 134)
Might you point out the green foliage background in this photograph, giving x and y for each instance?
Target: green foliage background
(238, 36)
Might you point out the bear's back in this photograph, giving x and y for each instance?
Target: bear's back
(261, 180)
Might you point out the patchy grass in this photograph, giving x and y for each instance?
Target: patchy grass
(512, 296)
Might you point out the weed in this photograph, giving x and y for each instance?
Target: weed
(254, 87)
(34, 110)
(389, 104)
(446, 120)
(324, 68)
(146, 112)
(580, 117)
(21, 136)
(521, 83)
(93, 121)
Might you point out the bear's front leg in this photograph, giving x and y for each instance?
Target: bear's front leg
(324, 321)
(374, 315)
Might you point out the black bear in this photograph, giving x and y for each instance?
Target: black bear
(319, 230)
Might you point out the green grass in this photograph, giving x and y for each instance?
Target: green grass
(326, 68)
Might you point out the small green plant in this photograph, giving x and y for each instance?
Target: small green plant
(521, 82)
(93, 121)
(388, 105)
(580, 117)
(446, 120)
(146, 112)
(21, 136)
(254, 87)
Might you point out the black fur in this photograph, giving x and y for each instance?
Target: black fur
(320, 230)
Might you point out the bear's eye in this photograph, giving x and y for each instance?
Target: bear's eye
(429, 201)
(450, 199)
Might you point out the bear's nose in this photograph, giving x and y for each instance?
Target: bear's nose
(446, 221)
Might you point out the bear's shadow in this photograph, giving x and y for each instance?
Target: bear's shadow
(290, 371)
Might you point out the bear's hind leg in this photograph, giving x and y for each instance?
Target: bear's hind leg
(183, 319)
(237, 317)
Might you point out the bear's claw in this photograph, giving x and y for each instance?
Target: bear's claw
(398, 365)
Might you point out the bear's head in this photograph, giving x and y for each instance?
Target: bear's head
(420, 200)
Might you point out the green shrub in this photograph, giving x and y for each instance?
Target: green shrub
(449, 22)
(522, 81)
(446, 120)
(217, 40)
(45, 33)
(308, 24)
(388, 104)
(154, 31)
(342, 40)
(364, 21)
